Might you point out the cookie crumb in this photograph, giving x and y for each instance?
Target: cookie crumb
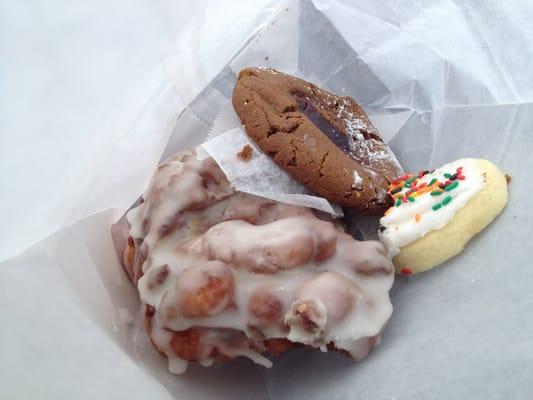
(508, 178)
(246, 153)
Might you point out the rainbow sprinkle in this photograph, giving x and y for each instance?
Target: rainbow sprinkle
(446, 200)
(408, 187)
(451, 186)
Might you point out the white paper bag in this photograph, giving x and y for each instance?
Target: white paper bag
(442, 81)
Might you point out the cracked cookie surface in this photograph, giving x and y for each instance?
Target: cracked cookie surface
(325, 141)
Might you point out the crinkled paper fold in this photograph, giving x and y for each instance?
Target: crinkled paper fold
(442, 80)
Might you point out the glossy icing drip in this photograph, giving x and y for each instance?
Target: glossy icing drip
(225, 271)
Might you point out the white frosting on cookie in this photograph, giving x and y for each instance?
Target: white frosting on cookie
(415, 215)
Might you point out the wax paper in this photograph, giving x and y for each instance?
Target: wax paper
(259, 175)
(442, 80)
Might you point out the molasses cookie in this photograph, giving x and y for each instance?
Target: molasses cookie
(325, 141)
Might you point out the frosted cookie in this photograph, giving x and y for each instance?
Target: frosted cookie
(325, 141)
(223, 274)
(436, 213)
